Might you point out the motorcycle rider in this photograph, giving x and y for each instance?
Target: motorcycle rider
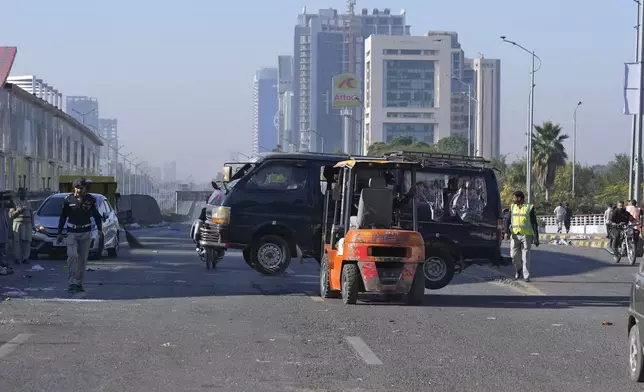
(620, 215)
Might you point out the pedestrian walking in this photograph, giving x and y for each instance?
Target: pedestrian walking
(524, 233)
(23, 226)
(78, 209)
(560, 215)
(5, 236)
(568, 217)
(608, 214)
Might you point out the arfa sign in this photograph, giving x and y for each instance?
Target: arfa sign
(346, 91)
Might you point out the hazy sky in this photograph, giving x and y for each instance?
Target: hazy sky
(178, 74)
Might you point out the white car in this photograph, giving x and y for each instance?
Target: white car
(46, 227)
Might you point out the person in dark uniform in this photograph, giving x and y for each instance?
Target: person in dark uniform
(620, 215)
(78, 208)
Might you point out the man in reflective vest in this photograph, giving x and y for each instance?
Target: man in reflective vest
(524, 233)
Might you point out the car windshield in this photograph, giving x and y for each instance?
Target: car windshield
(52, 207)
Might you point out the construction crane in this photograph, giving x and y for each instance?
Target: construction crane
(351, 37)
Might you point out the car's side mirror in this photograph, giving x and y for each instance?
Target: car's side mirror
(214, 185)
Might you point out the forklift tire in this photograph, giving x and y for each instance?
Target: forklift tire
(350, 283)
(325, 287)
(416, 295)
(438, 269)
(268, 247)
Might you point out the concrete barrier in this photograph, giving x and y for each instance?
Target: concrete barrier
(141, 209)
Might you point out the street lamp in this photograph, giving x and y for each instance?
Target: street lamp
(321, 138)
(469, 114)
(574, 146)
(530, 116)
(84, 114)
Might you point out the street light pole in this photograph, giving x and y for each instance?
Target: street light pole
(574, 146)
(631, 172)
(528, 175)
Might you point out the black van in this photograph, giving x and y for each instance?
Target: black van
(271, 209)
(459, 214)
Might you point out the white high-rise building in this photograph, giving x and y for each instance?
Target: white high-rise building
(108, 131)
(408, 86)
(488, 107)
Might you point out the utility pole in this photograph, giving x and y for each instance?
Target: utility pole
(631, 172)
(638, 137)
(574, 146)
(351, 68)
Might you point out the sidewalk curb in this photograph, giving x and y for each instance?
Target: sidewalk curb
(593, 237)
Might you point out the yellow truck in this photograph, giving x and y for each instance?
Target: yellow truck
(104, 185)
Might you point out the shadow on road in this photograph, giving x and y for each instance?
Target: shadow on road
(552, 263)
(525, 302)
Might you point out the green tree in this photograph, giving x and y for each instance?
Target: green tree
(549, 154)
(456, 145)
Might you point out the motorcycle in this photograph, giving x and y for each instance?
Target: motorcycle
(629, 232)
(209, 256)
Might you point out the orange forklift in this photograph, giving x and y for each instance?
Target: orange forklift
(364, 247)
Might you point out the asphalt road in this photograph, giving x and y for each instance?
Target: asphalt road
(156, 320)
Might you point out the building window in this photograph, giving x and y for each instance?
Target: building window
(409, 84)
(390, 51)
(413, 52)
(410, 115)
(430, 52)
(75, 153)
(82, 157)
(419, 132)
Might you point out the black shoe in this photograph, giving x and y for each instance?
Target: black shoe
(79, 288)
(25, 262)
(527, 280)
(518, 275)
(71, 288)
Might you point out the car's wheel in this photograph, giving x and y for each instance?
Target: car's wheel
(416, 295)
(325, 286)
(438, 269)
(350, 283)
(635, 367)
(270, 255)
(114, 252)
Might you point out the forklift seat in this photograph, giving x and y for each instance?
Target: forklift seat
(376, 205)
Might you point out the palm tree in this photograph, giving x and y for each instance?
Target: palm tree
(549, 154)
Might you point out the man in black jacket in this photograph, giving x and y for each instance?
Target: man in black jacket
(78, 209)
(620, 215)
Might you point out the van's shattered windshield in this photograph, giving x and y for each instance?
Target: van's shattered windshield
(441, 196)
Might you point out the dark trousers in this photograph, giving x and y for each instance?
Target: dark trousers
(616, 238)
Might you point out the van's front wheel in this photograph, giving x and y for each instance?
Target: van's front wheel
(270, 255)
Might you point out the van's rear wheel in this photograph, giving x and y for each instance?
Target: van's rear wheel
(270, 255)
(438, 269)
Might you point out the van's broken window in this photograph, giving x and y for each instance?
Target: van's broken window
(440, 196)
(470, 199)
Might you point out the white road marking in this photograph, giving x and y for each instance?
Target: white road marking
(13, 344)
(316, 298)
(363, 350)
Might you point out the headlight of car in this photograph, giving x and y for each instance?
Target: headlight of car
(220, 215)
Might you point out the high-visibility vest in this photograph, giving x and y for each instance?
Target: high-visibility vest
(521, 219)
